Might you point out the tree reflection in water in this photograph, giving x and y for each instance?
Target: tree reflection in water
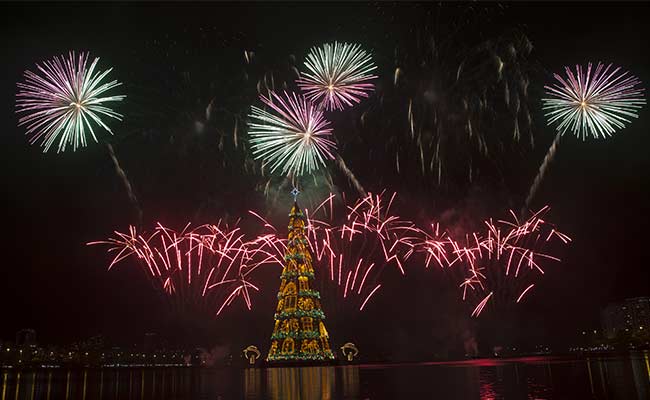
(305, 383)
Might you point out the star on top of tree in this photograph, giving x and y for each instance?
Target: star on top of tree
(295, 192)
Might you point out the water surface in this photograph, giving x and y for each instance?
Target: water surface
(523, 378)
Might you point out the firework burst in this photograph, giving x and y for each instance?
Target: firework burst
(63, 103)
(353, 248)
(593, 102)
(503, 264)
(588, 104)
(354, 251)
(206, 268)
(294, 139)
(338, 76)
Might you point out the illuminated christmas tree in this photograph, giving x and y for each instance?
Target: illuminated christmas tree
(299, 333)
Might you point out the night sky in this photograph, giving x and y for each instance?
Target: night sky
(174, 58)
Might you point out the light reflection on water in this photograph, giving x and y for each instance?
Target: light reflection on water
(524, 378)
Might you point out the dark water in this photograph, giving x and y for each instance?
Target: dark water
(524, 378)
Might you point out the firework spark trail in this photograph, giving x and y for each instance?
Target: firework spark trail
(368, 298)
(338, 75)
(127, 184)
(521, 296)
(439, 68)
(548, 159)
(294, 139)
(208, 266)
(353, 179)
(481, 305)
(435, 246)
(63, 103)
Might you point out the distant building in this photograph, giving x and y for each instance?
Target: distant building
(26, 337)
(630, 316)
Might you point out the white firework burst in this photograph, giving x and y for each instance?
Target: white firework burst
(338, 75)
(62, 104)
(293, 138)
(593, 103)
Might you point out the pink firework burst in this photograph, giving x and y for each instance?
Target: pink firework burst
(503, 263)
(352, 248)
(206, 268)
(354, 251)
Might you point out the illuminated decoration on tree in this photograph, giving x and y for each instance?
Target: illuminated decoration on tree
(299, 333)
(588, 104)
(338, 75)
(295, 139)
(63, 103)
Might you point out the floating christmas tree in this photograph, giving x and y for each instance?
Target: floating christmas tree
(299, 333)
